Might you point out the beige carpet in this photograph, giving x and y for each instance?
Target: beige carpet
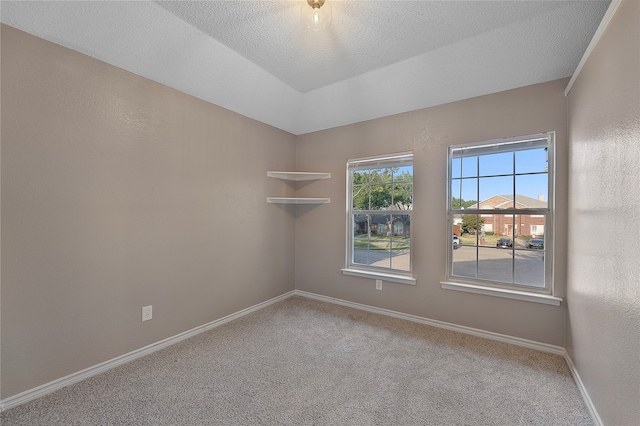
(304, 362)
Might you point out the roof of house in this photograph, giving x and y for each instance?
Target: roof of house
(506, 201)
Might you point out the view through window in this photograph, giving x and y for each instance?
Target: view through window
(500, 213)
(380, 208)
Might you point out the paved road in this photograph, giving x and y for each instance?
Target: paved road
(493, 264)
(398, 259)
(526, 266)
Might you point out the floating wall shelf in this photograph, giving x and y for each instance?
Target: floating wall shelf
(297, 177)
(293, 200)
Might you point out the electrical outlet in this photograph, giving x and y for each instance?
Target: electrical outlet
(147, 313)
(378, 284)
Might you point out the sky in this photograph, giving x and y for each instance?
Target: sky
(483, 176)
(493, 175)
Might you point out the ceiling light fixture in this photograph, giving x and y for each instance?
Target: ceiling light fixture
(316, 17)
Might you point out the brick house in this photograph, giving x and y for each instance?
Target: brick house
(513, 225)
(381, 224)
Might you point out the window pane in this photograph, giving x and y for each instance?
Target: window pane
(455, 194)
(529, 268)
(403, 196)
(381, 196)
(493, 227)
(361, 177)
(361, 228)
(400, 242)
(536, 230)
(496, 164)
(456, 167)
(457, 225)
(505, 228)
(495, 264)
(380, 242)
(533, 190)
(496, 192)
(380, 227)
(529, 227)
(377, 176)
(469, 166)
(463, 193)
(486, 236)
(464, 261)
(469, 191)
(361, 197)
(470, 226)
(532, 160)
(373, 243)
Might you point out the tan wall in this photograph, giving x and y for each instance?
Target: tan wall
(603, 273)
(118, 192)
(320, 231)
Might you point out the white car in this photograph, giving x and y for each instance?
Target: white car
(456, 241)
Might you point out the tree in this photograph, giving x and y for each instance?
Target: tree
(471, 222)
(459, 203)
(382, 189)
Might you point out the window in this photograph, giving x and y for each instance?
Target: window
(380, 209)
(500, 204)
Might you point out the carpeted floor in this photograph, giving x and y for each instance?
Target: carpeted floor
(304, 362)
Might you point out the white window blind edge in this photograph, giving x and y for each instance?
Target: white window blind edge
(496, 147)
(400, 159)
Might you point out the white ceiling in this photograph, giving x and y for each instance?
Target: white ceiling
(377, 58)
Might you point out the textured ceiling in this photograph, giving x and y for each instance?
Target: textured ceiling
(364, 35)
(377, 58)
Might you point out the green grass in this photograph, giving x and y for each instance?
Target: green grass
(490, 240)
(470, 239)
(380, 242)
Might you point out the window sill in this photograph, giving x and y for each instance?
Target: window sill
(501, 292)
(402, 279)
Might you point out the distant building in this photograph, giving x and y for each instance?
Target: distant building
(382, 224)
(508, 225)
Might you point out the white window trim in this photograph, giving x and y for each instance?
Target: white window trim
(401, 279)
(502, 292)
(471, 285)
(363, 271)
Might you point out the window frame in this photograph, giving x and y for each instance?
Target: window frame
(367, 271)
(496, 288)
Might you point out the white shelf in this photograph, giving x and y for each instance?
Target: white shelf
(298, 176)
(295, 200)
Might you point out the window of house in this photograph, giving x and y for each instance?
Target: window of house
(500, 204)
(379, 217)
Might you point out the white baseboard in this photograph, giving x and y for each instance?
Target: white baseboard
(583, 390)
(544, 347)
(50, 387)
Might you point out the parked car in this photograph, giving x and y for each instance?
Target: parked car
(504, 243)
(456, 241)
(536, 244)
